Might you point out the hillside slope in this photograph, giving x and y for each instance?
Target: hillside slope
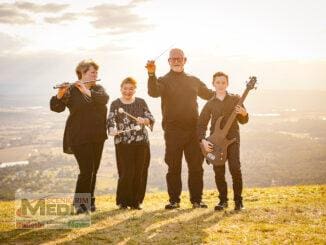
(277, 215)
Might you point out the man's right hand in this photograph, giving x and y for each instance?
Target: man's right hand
(208, 146)
(150, 66)
(62, 91)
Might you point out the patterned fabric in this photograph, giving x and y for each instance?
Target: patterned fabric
(121, 121)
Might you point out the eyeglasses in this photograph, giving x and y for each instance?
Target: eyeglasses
(172, 59)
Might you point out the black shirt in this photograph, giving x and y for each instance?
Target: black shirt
(178, 92)
(216, 108)
(86, 122)
(121, 121)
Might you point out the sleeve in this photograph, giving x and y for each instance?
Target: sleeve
(155, 86)
(203, 120)
(99, 95)
(57, 105)
(111, 123)
(204, 92)
(242, 119)
(148, 115)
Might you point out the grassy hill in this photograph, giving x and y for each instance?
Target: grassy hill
(286, 215)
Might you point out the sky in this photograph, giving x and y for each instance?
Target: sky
(282, 42)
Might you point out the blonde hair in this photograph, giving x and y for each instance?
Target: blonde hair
(83, 67)
(129, 80)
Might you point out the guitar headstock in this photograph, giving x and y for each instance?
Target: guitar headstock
(251, 83)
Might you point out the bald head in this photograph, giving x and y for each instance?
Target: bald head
(177, 60)
(176, 51)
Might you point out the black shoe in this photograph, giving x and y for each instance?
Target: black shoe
(81, 209)
(172, 205)
(136, 207)
(122, 206)
(238, 206)
(221, 205)
(199, 205)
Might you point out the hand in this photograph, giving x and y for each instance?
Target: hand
(113, 132)
(241, 110)
(150, 66)
(208, 146)
(62, 91)
(142, 121)
(82, 88)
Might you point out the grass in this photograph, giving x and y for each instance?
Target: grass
(278, 215)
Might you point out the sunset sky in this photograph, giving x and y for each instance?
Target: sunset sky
(282, 42)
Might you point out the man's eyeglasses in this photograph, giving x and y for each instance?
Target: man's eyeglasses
(176, 59)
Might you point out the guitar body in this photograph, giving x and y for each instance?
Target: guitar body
(219, 155)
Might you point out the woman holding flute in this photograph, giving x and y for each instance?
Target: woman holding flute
(85, 130)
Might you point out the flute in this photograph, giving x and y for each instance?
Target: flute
(66, 84)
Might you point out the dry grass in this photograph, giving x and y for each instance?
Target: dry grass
(280, 215)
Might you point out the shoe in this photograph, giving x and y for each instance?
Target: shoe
(199, 205)
(122, 206)
(136, 207)
(172, 205)
(221, 205)
(81, 209)
(238, 206)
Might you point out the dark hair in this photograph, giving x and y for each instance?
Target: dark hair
(220, 74)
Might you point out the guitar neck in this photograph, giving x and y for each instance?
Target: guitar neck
(233, 116)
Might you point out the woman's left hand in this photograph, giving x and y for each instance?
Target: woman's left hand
(82, 88)
(241, 110)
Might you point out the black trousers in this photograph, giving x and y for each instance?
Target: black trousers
(143, 184)
(88, 157)
(235, 170)
(132, 164)
(177, 143)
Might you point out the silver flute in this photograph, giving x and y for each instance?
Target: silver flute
(66, 84)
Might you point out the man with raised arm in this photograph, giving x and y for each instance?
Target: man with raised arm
(178, 91)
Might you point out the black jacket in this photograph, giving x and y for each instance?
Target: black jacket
(178, 92)
(216, 108)
(86, 122)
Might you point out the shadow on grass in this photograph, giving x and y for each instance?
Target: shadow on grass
(37, 236)
(186, 226)
(175, 226)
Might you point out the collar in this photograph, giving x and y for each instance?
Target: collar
(226, 96)
(173, 73)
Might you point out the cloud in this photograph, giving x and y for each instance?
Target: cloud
(119, 19)
(9, 15)
(40, 8)
(136, 2)
(15, 13)
(10, 44)
(66, 17)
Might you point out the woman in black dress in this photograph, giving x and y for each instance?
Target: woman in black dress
(85, 130)
(131, 144)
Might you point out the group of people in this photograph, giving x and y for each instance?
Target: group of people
(128, 120)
